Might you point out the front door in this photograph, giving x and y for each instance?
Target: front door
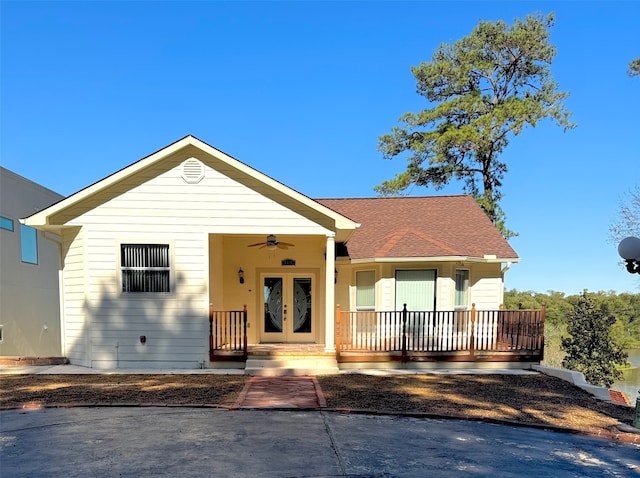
(288, 308)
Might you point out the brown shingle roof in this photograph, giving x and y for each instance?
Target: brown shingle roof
(435, 226)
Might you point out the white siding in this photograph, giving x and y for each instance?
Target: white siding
(75, 334)
(217, 205)
(486, 286)
(387, 296)
(444, 291)
(486, 294)
(165, 209)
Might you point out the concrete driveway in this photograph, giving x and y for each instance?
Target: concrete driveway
(195, 442)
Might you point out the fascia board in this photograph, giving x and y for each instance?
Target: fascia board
(436, 259)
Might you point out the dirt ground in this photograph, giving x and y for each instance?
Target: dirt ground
(530, 399)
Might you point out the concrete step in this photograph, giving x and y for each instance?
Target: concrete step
(291, 365)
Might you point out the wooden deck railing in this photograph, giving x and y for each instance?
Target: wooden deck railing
(465, 335)
(227, 334)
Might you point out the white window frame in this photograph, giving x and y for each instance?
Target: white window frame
(366, 307)
(432, 304)
(466, 291)
(122, 268)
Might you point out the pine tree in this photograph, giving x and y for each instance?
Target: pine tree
(481, 91)
(589, 347)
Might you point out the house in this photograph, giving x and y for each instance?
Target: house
(190, 233)
(29, 267)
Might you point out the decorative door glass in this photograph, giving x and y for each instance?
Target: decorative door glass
(273, 305)
(302, 305)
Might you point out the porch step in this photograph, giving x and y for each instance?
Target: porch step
(276, 365)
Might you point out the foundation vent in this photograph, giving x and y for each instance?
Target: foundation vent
(192, 171)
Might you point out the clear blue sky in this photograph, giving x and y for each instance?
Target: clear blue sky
(302, 90)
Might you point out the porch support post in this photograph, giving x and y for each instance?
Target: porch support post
(329, 296)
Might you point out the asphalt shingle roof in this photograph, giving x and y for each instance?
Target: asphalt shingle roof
(433, 226)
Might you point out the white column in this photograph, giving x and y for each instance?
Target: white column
(330, 306)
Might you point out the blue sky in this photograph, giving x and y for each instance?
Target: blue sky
(302, 90)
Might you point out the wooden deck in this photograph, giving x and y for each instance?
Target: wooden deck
(431, 336)
(400, 336)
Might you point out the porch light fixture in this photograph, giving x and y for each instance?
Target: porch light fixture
(629, 250)
(241, 275)
(335, 276)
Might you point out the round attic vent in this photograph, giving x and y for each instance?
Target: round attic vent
(192, 171)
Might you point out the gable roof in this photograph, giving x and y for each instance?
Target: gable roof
(446, 227)
(55, 216)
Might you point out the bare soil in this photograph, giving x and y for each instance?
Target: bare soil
(529, 399)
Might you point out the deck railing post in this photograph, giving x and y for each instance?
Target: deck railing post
(337, 332)
(404, 333)
(245, 349)
(472, 340)
(211, 332)
(541, 331)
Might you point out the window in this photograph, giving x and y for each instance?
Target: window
(28, 244)
(145, 267)
(6, 223)
(365, 290)
(416, 288)
(462, 289)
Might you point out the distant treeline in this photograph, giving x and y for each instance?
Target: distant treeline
(624, 307)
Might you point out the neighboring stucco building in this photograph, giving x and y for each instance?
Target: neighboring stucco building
(148, 248)
(29, 269)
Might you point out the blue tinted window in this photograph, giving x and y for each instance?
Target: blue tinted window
(6, 223)
(28, 244)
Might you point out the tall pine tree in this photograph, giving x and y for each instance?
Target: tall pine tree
(481, 91)
(589, 347)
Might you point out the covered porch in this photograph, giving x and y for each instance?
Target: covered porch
(267, 289)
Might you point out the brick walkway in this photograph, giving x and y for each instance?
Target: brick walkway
(281, 392)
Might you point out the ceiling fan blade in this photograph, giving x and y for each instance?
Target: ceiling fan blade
(283, 245)
(286, 244)
(257, 244)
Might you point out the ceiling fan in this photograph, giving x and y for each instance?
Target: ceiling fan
(272, 243)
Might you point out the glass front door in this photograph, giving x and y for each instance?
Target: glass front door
(288, 308)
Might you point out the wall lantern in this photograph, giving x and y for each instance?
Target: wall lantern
(629, 250)
(241, 275)
(335, 276)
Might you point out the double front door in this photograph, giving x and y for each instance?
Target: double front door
(288, 308)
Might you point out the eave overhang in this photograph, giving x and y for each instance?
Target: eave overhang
(481, 260)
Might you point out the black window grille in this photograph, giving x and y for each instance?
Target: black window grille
(145, 267)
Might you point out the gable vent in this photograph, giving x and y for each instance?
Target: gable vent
(192, 171)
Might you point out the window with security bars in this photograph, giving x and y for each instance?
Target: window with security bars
(145, 267)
